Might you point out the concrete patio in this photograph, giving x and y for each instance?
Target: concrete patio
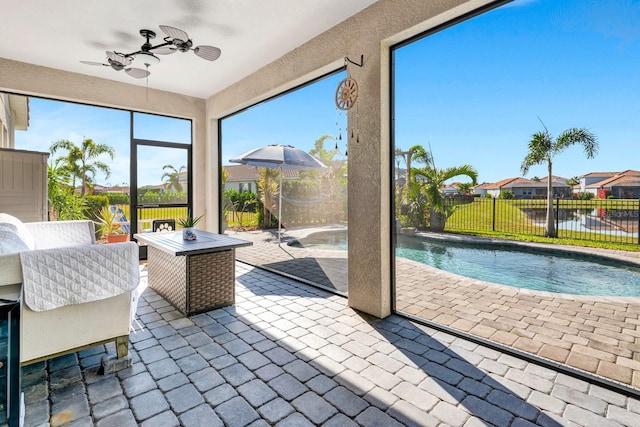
(288, 354)
(596, 335)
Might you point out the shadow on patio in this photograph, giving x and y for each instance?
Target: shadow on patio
(288, 354)
(325, 268)
(597, 336)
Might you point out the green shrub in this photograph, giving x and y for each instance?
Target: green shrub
(66, 205)
(586, 196)
(94, 204)
(245, 201)
(506, 194)
(117, 198)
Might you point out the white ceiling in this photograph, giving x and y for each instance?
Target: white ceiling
(250, 33)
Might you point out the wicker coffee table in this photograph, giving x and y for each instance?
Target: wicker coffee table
(193, 275)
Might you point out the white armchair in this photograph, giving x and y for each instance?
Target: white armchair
(87, 310)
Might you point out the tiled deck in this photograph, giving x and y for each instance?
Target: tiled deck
(291, 355)
(598, 335)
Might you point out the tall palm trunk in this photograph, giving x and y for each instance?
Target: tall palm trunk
(550, 230)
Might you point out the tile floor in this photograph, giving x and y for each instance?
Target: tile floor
(288, 354)
(597, 335)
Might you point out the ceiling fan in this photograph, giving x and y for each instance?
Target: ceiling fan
(175, 40)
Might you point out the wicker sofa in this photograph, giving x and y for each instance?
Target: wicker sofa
(83, 319)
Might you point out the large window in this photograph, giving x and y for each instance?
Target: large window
(141, 162)
(296, 218)
(468, 98)
(162, 166)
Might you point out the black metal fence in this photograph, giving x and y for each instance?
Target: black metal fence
(608, 220)
(148, 214)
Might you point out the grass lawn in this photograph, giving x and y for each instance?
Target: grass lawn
(510, 222)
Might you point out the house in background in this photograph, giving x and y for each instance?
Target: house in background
(523, 188)
(482, 189)
(623, 185)
(14, 115)
(592, 177)
(245, 178)
(451, 189)
(241, 178)
(23, 174)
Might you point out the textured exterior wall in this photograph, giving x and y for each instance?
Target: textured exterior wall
(369, 33)
(28, 79)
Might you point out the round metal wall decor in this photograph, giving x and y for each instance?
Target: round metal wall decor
(346, 93)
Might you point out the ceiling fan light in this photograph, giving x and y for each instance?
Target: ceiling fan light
(137, 73)
(146, 58)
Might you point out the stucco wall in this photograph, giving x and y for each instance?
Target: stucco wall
(369, 33)
(18, 77)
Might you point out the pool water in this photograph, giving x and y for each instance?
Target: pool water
(536, 269)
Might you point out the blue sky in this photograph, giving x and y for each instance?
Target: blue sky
(472, 92)
(51, 121)
(298, 118)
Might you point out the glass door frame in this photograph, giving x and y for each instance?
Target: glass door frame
(133, 201)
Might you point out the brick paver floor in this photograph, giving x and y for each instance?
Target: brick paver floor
(598, 335)
(288, 354)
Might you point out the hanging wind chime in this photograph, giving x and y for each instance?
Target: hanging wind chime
(346, 97)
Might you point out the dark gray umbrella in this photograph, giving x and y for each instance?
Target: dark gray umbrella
(281, 157)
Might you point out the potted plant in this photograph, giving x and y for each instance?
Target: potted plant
(109, 226)
(188, 224)
(431, 181)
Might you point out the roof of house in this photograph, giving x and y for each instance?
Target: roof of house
(502, 183)
(485, 185)
(555, 178)
(519, 182)
(598, 174)
(629, 177)
(525, 183)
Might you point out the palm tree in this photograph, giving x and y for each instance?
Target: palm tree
(543, 148)
(268, 189)
(575, 180)
(417, 154)
(64, 204)
(464, 188)
(81, 161)
(171, 177)
(432, 180)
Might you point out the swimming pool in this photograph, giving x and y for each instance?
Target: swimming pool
(528, 268)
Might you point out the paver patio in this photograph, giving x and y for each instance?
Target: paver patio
(288, 354)
(597, 335)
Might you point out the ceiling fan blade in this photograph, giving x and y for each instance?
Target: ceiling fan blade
(93, 63)
(137, 73)
(164, 50)
(174, 33)
(119, 58)
(209, 53)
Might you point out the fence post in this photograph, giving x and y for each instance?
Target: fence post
(639, 221)
(493, 215)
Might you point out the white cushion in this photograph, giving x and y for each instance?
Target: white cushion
(10, 242)
(21, 229)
